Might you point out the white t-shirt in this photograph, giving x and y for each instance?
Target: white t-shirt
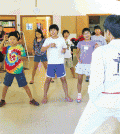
(68, 51)
(100, 40)
(54, 55)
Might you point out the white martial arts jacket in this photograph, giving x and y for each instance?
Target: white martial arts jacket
(105, 76)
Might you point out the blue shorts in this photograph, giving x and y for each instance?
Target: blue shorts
(19, 77)
(58, 69)
(41, 58)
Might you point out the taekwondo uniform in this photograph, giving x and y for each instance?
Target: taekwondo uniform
(104, 88)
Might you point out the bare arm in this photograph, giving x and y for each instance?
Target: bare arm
(78, 53)
(43, 49)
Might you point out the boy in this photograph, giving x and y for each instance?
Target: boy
(68, 56)
(99, 39)
(56, 49)
(15, 54)
(104, 88)
(83, 67)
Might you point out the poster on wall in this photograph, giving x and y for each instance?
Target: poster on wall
(29, 26)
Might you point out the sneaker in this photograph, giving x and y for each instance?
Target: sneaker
(34, 102)
(2, 103)
(79, 100)
(87, 79)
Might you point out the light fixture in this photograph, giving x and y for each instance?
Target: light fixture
(36, 9)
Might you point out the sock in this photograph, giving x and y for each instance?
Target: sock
(79, 96)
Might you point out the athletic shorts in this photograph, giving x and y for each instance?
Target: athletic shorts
(82, 69)
(69, 62)
(19, 77)
(41, 58)
(58, 69)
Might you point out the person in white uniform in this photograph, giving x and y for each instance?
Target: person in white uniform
(104, 87)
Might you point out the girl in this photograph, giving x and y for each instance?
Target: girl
(83, 67)
(38, 55)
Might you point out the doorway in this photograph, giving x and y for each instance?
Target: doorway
(29, 23)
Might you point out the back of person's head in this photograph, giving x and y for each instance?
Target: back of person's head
(39, 31)
(54, 26)
(85, 29)
(97, 27)
(13, 34)
(65, 31)
(112, 23)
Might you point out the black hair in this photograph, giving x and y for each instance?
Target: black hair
(2, 32)
(18, 34)
(65, 31)
(112, 23)
(54, 26)
(13, 34)
(39, 31)
(86, 29)
(97, 27)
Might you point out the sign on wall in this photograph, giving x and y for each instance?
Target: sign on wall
(29, 26)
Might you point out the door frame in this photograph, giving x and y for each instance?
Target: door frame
(21, 16)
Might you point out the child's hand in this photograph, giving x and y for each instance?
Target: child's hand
(19, 56)
(5, 37)
(52, 45)
(79, 61)
(71, 52)
(96, 45)
(63, 51)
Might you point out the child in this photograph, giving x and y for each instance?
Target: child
(83, 67)
(104, 88)
(38, 55)
(98, 38)
(56, 48)
(68, 56)
(15, 54)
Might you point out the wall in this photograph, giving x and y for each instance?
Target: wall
(59, 8)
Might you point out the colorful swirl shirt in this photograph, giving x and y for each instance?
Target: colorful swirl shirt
(14, 65)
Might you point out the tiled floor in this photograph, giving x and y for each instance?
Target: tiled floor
(55, 117)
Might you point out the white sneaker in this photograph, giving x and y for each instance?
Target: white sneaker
(79, 100)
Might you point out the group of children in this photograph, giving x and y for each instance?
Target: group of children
(58, 53)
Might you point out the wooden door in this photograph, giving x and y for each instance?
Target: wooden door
(82, 22)
(29, 34)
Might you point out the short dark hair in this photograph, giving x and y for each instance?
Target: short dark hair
(65, 31)
(13, 34)
(97, 27)
(54, 26)
(112, 23)
(85, 29)
(39, 31)
(18, 34)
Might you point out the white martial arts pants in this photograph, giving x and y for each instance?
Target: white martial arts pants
(92, 118)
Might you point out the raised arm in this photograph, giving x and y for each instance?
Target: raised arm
(2, 43)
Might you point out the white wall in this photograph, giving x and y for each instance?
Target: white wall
(58, 8)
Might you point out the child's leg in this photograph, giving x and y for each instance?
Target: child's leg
(46, 87)
(45, 66)
(34, 71)
(79, 86)
(27, 89)
(73, 71)
(65, 88)
(5, 88)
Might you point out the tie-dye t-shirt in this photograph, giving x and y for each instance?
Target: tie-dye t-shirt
(14, 65)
